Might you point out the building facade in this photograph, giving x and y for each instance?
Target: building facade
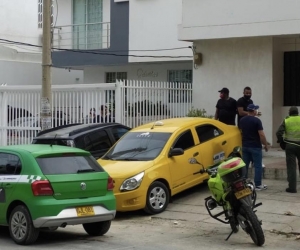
(19, 64)
(122, 39)
(246, 43)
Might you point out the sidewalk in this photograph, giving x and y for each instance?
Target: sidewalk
(275, 166)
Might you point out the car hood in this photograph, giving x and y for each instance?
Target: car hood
(124, 169)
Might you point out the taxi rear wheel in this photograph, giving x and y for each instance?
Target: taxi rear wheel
(21, 228)
(97, 228)
(158, 197)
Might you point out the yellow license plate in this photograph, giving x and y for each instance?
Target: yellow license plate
(85, 211)
(242, 193)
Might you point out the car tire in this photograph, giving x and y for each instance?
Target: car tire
(158, 197)
(21, 227)
(97, 228)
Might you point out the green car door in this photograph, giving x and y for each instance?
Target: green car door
(10, 168)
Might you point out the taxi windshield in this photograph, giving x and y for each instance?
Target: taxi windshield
(138, 146)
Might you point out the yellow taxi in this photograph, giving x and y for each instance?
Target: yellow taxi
(150, 163)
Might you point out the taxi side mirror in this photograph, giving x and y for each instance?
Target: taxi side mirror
(176, 152)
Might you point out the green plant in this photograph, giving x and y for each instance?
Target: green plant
(198, 113)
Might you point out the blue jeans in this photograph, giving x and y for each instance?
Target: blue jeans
(255, 155)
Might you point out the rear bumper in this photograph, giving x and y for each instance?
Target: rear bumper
(69, 217)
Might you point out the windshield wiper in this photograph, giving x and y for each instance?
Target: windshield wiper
(128, 159)
(85, 170)
(128, 151)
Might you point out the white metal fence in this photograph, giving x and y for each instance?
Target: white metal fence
(131, 103)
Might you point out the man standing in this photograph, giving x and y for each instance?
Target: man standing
(243, 103)
(226, 108)
(253, 137)
(288, 135)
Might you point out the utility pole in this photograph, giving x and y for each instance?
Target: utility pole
(46, 97)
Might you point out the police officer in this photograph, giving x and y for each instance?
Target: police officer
(288, 135)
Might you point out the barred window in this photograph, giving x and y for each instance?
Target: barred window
(112, 77)
(179, 82)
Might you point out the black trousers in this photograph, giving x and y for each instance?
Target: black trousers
(292, 152)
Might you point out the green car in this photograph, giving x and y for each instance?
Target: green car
(49, 186)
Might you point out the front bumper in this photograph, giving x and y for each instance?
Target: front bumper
(69, 217)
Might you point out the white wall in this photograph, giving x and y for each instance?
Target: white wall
(25, 73)
(145, 72)
(235, 63)
(207, 19)
(19, 22)
(153, 25)
(281, 45)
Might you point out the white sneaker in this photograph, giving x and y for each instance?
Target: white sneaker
(251, 165)
(261, 187)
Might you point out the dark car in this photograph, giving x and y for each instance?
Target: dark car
(95, 138)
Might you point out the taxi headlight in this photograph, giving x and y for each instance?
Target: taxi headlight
(132, 182)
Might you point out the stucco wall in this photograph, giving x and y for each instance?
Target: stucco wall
(235, 63)
(281, 45)
(238, 18)
(145, 72)
(152, 26)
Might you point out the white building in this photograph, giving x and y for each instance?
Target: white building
(21, 64)
(246, 43)
(118, 34)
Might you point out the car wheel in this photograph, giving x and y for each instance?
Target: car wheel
(97, 228)
(158, 197)
(21, 228)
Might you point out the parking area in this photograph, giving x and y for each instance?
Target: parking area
(184, 225)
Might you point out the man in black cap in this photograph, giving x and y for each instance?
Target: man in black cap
(226, 108)
(288, 135)
(253, 137)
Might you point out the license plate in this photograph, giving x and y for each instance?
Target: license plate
(85, 211)
(242, 193)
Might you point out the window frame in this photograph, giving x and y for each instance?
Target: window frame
(18, 164)
(179, 136)
(221, 132)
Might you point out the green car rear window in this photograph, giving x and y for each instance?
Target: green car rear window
(68, 165)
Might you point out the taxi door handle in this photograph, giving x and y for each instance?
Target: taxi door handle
(7, 185)
(224, 142)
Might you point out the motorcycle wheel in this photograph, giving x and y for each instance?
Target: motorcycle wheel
(253, 226)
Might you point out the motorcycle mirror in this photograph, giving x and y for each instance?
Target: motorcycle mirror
(236, 149)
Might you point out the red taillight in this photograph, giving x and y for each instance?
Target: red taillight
(239, 185)
(41, 188)
(110, 184)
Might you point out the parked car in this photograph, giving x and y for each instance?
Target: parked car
(50, 186)
(151, 162)
(95, 138)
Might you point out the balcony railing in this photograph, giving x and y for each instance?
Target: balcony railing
(87, 36)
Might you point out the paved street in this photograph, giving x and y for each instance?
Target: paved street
(185, 225)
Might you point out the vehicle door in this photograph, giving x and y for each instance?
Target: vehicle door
(97, 143)
(10, 169)
(212, 145)
(180, 168)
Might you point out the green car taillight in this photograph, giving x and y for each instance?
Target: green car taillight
(41, 188)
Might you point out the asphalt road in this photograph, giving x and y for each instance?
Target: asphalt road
(185, 225)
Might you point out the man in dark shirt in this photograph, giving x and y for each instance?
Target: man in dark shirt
(226, 108)
(243, 102)
(253, 137)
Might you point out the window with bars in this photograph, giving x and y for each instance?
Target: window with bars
(112, 77)
(177, 80)
(40, 14)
